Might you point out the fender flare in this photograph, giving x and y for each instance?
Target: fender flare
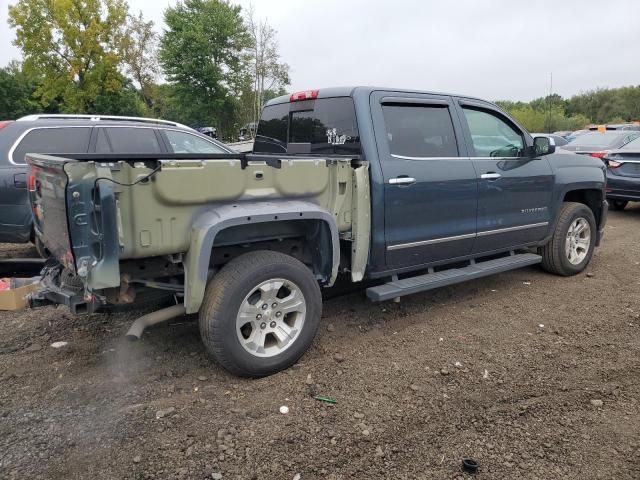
(208, 224)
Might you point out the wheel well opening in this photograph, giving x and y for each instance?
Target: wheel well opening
(307, 240)
(592, 198)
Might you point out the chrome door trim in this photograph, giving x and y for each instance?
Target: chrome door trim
(512, 229)
(404, 157)
(430, 242)
(495, 159)
(422, 243)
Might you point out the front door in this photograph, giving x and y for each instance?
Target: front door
(514, 189)
(430, 185)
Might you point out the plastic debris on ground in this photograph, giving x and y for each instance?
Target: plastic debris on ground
(324, 399)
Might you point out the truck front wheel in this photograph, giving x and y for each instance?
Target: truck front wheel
(260, 313)
(571, 247)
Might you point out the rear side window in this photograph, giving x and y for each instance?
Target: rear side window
(419, 131)
(183, 142)
(322, 126)
(53, 140)
(133, 140)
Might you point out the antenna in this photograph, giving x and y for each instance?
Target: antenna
(549, 104)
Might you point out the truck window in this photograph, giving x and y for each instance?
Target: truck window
(322, 126)
(133, 140)
(52, 140)
(422, 131)
(492, 136)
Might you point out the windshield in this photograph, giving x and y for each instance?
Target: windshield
(598, 139)
(632, 145)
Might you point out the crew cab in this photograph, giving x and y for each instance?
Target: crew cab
(408, 190)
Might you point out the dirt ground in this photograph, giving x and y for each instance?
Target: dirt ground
(534, 376)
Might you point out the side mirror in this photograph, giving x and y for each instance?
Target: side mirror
(543, 146)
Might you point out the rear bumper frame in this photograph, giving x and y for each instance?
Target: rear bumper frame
(52, 292)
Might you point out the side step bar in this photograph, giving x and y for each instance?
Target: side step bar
(429, 281)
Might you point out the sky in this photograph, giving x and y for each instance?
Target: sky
(494, 49)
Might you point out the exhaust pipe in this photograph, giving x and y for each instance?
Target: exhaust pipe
(153, 318)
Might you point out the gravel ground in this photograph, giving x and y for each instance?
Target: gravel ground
(534, 376)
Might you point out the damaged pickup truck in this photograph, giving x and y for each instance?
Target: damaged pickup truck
(407, 190)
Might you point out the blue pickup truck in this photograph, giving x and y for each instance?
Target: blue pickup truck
(407, 190)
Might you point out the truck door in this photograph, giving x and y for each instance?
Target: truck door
(430, 185)
(514, 189)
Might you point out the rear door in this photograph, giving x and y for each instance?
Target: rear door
(514, 190)
(430, 184)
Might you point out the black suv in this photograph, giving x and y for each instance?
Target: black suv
(79, 134)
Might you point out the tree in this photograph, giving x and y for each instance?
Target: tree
(74, 45)
(140, 54)
(16, 92)
(124, 101)
(268, 73)
(203, 54)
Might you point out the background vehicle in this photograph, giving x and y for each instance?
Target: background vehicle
(559, 140)
(597, 143)
(618, 126)
(208, 131)
(563, 133)
(78, 134)
(623, 175)
(395, 186)
(247, 132)
(572, 136)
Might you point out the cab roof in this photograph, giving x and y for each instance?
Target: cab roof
(331, 92)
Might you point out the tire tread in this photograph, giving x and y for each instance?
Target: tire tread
(211, 327)
(552, 253)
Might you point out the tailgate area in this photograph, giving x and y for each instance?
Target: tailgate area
(47, 183)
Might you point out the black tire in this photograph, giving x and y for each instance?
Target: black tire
(554, 258)
(617, 205)
(43, 251)
(226, 293)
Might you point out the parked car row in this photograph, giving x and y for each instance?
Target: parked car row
(79, 134)
(623, 175)
(618, 145)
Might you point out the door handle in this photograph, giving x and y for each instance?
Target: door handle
(490, 176)
(20, 180)
(402, 181)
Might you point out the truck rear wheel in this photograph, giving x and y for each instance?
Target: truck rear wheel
(571, 247)
(260, 313)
